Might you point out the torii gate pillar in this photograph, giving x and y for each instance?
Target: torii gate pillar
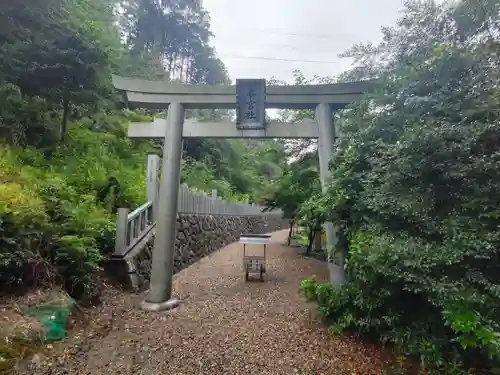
(326, 139)
(162, 268)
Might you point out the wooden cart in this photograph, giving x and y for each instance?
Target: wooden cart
(254, 264)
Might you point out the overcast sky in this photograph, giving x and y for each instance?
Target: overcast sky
(314, 30)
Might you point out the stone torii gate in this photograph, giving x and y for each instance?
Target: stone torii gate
(250, 98)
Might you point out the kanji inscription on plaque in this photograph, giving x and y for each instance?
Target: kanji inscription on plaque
(250, 103)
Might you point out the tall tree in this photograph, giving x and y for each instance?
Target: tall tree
(61, 50)
(176, 34)
(299, 182)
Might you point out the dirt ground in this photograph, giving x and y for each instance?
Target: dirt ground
(224, 325)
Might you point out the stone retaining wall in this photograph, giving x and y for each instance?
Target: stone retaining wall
(197, 236)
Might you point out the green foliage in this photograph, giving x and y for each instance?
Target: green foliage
(23, 218)
(309, 286)
(24, 121)
(403, 293)
(293, 191)
(50, 212)
(61, 50)
(238, 169)
(299, 181)
(415, 188)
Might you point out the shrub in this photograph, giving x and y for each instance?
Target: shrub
(56, 213)
(77, 223)
(22, 222)
(47, 224)
(309, 287)
(419, 297)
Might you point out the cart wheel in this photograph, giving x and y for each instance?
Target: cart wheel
(262, 270)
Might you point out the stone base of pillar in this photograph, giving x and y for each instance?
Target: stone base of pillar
(172, 303)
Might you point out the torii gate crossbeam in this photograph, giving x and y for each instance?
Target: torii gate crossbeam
(178, 97)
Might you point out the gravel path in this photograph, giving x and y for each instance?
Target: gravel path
(224, 326)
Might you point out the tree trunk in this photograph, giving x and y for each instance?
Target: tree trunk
(318, 244)
(312, 234)
(64, 122)
(343, 244)
(290, 231)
